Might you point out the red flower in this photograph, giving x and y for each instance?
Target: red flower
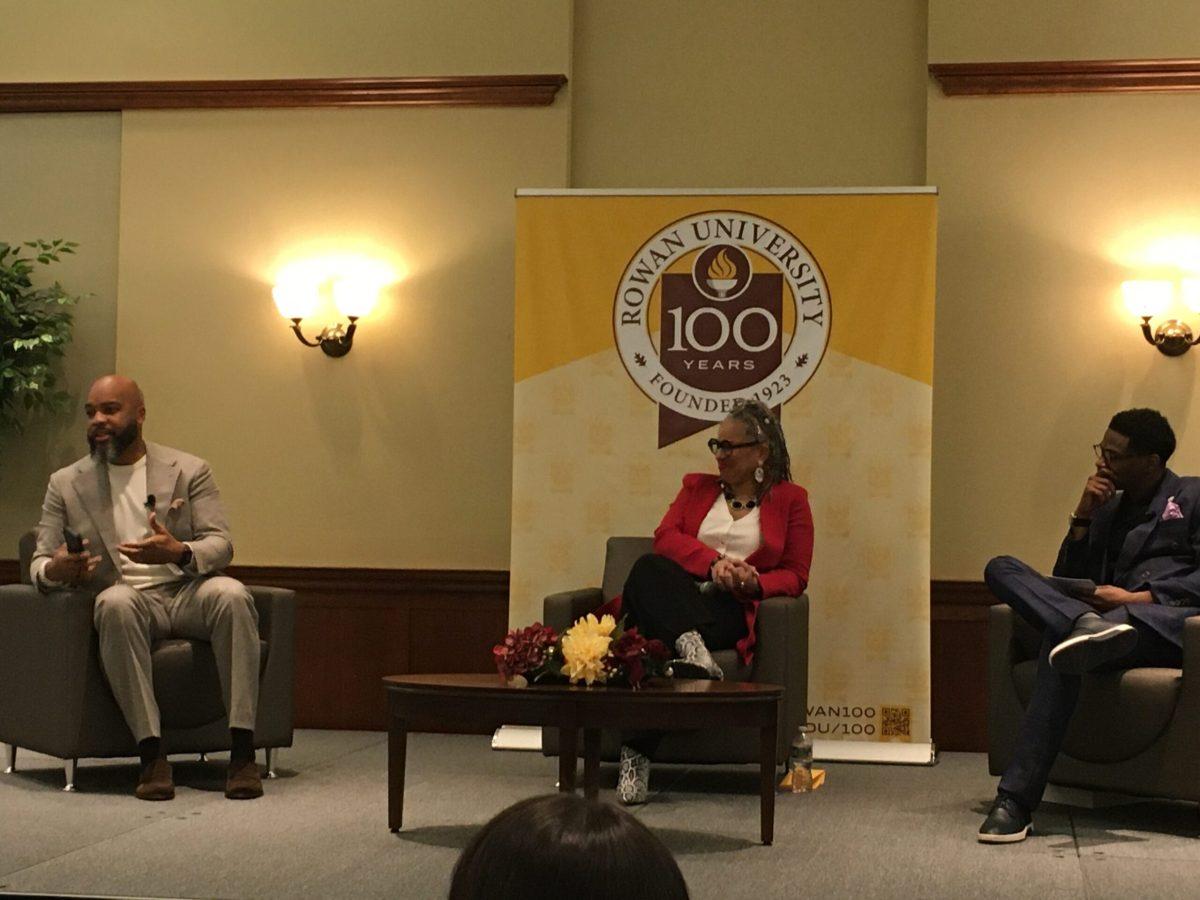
(524, 650)
(630, 652)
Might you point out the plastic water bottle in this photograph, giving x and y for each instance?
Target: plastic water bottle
(800, 760)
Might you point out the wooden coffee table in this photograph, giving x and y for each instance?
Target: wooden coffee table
(469, 702)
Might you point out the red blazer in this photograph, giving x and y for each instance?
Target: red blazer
(782, 560)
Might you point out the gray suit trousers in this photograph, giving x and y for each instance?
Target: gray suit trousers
(217, 609)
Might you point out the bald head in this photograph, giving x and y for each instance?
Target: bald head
(115, 410)
(125, 389)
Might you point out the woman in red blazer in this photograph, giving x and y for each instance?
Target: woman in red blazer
(727, 541)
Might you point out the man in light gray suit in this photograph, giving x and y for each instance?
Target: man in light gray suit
(153, 517)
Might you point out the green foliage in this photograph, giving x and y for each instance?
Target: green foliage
(35, 326)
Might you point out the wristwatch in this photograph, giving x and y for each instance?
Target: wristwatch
(185, 558)
(1079, 521)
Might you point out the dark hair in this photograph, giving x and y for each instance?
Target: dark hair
(562, 845)
(763, 425)
(1148, 431)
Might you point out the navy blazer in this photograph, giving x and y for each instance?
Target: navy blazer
(1160, 555)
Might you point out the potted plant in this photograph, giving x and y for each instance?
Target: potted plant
(35, 326)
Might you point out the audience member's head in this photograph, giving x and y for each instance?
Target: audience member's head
(563, 846)
(1148, 431)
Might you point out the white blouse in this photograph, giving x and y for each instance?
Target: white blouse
(737, 538)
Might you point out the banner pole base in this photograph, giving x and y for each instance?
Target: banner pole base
(517, 737)
(916, 753)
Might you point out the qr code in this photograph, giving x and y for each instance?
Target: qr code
(897, 721)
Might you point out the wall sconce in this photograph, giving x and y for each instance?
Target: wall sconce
(296, 300)
(1147, 299)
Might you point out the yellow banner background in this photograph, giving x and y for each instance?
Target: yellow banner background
(585, 463)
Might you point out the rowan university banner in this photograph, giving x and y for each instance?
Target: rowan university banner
(641, 317)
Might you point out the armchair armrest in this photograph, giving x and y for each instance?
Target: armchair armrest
(560, 610)
(1000, 642)
(45, 644)
(277, 626)
(1191, 653)
(781, 657)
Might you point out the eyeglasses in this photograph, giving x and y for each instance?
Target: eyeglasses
(1103, 454)
(720, 448)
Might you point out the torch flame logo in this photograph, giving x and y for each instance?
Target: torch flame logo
(722, 267)
(722, 274)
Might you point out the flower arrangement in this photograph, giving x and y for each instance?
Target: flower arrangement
(594, 651)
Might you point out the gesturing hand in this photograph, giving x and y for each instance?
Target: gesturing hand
(71, 568)
(161, 547)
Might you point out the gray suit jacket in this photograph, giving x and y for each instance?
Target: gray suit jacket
(186, 500)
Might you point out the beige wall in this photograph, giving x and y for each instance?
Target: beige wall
(66, 40)
(1004, 30)
(775, 93)
(59, 176)
(1047, 204)
(398, 455)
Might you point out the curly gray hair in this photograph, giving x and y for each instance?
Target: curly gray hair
(763, 425)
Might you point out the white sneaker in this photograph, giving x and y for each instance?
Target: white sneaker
(633, 782)
(690, 647)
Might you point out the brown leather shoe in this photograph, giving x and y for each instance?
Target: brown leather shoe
(243, 781)
(155, 782)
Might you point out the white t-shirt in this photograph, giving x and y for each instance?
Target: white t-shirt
(737, 538)
(132, 520)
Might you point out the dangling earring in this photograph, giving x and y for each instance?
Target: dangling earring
(759, 474)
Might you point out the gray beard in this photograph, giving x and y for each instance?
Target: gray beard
(107, 453)
(103, 454)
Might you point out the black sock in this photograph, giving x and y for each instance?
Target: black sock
(149, 750)
(241, 745)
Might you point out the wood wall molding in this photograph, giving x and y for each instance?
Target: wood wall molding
(958, 620)
(1067, 76)
(114, 96)
(353, 626)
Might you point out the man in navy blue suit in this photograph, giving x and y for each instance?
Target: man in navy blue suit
(1133, 550)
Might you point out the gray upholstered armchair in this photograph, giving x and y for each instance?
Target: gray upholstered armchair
(54, 698)
(780, 657)
(1134, 732)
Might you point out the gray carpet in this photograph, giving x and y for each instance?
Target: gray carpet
(872, 831)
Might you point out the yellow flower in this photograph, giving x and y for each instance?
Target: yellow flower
(584, 647)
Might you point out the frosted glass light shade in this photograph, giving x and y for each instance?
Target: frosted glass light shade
(1191, 293)
(295, 299)
(1147, 298)
(355, 297)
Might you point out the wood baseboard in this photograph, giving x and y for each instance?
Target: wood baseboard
(354, 626)
(958, 612)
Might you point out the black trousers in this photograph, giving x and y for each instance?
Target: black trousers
(664, 601)
(1052, 703)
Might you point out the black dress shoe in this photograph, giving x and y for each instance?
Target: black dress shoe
(1007, 823)
(1092, 643)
